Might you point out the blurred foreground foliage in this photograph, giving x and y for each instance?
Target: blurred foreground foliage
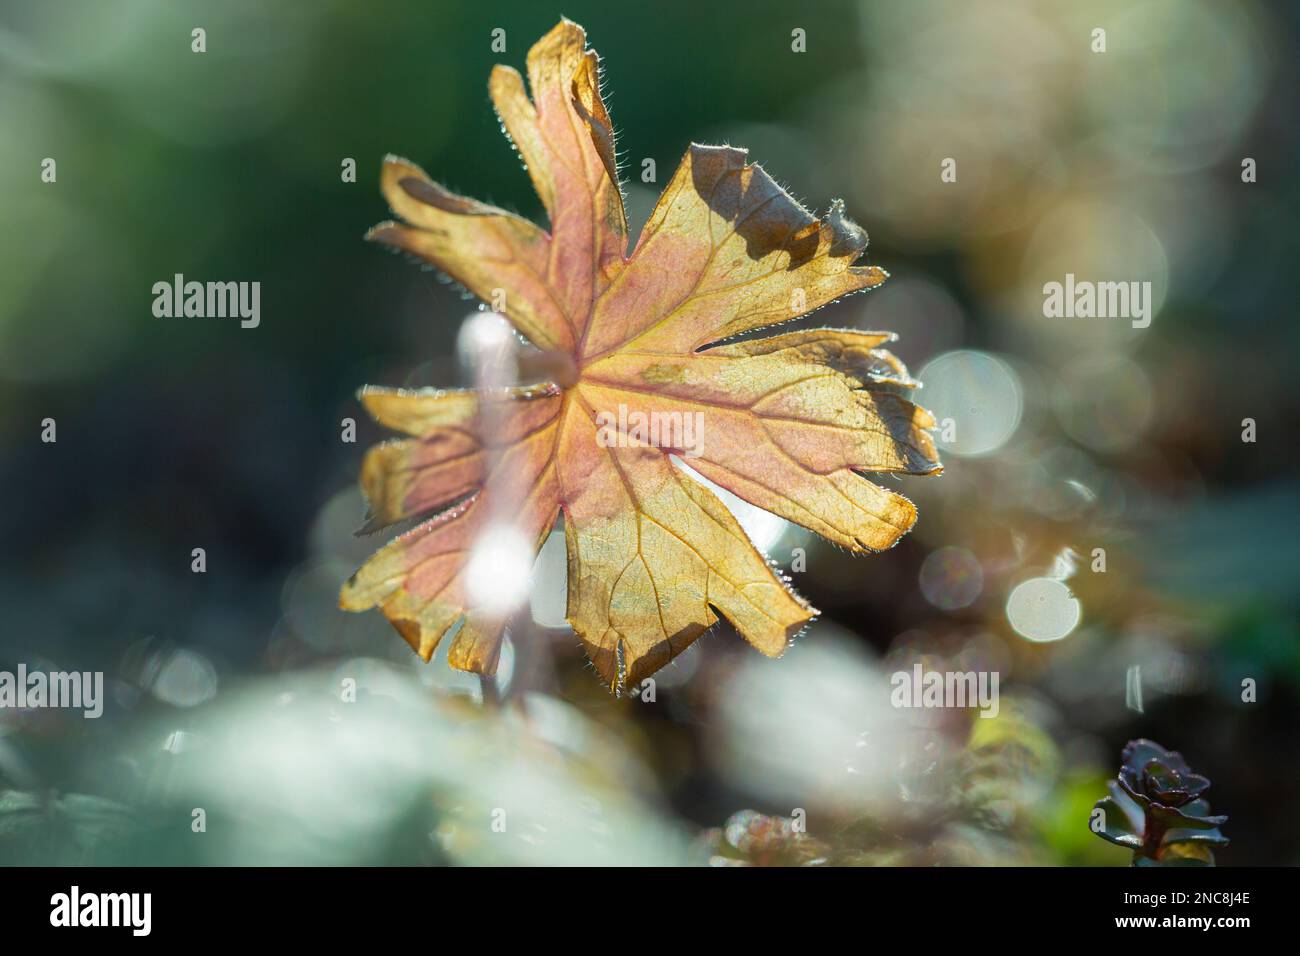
(957, 803)
(287, 772)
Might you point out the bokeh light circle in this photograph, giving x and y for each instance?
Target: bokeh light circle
(1043, 610)
(976, 398)
(1104, 401)
(498, 575)
(951, 578)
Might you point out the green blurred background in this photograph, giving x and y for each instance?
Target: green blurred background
(1072, 435)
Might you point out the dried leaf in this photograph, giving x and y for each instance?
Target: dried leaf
(790, 423)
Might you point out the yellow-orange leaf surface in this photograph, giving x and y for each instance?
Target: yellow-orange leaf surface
(791, 423)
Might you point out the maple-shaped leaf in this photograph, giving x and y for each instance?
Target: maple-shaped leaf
(791, 423)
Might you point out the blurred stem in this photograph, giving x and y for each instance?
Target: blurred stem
(556, 366)
(487, 684)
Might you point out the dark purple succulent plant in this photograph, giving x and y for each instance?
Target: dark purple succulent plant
(1156, 810)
